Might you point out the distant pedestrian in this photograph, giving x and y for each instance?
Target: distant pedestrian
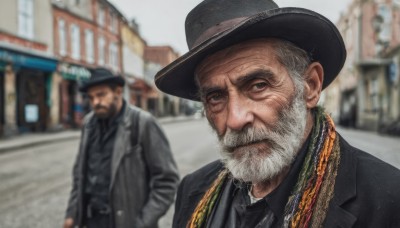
(124, 175)
(259, 71)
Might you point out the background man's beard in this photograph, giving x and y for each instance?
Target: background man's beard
(254, 163)
(111, 111)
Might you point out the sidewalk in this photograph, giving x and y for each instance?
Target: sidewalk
(34, 139)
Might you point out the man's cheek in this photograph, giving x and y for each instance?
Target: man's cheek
(217, 124)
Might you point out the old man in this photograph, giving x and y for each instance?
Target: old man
(259, 71)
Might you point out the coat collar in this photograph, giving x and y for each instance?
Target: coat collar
(198, 188)
(126, 116)
(208, 173)
(123, 141)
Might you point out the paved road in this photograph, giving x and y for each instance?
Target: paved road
(384, 147)
(35, 182)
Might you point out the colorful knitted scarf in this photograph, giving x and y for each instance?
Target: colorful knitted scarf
(310, 197)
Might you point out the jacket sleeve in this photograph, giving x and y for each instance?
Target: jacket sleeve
(178, 204)
(163, 172)
(72, 208)
(73, 198)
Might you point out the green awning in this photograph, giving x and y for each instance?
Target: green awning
(75, 73)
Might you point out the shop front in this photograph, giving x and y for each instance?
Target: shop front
(73, 105)
(27, 85)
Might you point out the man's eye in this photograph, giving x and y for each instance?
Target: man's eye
(258, 87)
(215, 98)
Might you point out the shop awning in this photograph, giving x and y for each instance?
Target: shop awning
(72, 72)
(26, 60)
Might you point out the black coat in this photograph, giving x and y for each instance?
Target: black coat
(366, 192)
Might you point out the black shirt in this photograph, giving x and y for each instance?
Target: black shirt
(234, 209)
(98, 172)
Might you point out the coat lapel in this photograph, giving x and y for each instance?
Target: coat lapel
(85, 141)
(196, 190)
(122, 143)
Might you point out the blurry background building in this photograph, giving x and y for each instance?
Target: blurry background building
(156, 58)
(366, 94)
(27, 66)
(86, 35)
(47, 47)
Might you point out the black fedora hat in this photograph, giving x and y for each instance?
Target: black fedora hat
(100, 76)
(216, 24)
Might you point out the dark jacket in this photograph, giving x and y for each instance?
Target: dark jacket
(144, 176)
(366, 192)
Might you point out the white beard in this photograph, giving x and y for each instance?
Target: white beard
(277, 149)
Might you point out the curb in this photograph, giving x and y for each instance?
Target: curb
(50, 139)
(38, 142)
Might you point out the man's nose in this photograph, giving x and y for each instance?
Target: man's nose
(239, 114)
(95, 101)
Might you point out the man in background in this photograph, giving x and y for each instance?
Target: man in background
(124, 175)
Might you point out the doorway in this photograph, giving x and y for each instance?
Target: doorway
(32, 110)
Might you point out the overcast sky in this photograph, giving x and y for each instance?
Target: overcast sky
(162, 21)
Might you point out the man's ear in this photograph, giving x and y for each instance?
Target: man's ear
(314, 77)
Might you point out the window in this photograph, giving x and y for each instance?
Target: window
(75, 42)
(101, 50)
(25, 18)
(100, 16)
(113, 23)
(113, 56)
(385, 13)
(62, 50)
(89, 46)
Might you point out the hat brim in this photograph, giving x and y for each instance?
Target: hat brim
(114, 80)
(305, 28)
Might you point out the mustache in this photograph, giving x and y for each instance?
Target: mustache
(250, 135)
(99, 107)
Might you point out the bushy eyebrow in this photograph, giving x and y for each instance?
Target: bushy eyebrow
(259, 73)
(256, 74)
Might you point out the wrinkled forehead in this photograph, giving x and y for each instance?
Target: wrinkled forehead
(260, 49)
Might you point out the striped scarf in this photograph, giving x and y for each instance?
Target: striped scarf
(310, 197)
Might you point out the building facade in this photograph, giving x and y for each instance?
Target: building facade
(48, 47)
(133, 47)
(156, 58)
(363, 95)
(86, 35)
(27, 66)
